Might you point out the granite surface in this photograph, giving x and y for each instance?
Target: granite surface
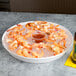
(9, 66)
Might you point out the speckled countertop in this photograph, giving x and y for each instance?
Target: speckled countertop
(9, 66)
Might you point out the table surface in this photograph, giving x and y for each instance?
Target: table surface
(9, 66)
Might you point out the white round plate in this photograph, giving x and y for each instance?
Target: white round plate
(45, 59)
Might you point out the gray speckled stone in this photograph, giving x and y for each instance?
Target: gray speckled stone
(9, 66)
